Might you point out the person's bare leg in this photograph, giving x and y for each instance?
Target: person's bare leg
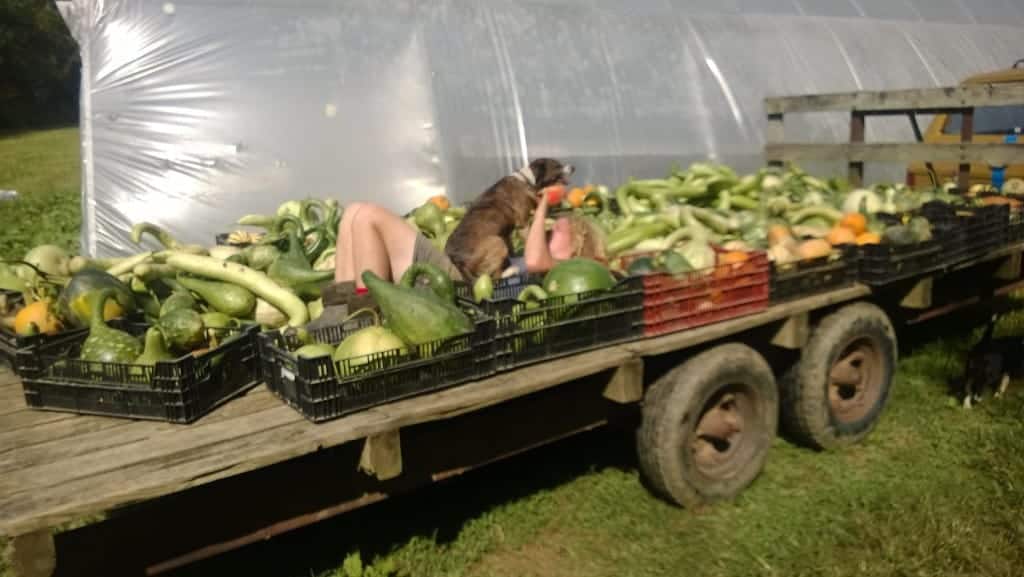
(372, 238)
(344, 256)
(386, 244)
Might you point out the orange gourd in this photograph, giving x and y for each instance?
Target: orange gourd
(841, 235)
(855, 221)
(868, 238)
(440, 201)
(36, 318)
(778, 234)
(576, 197)
(813, 248)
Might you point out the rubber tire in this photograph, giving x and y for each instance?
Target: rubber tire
(671, 408)
(806, 413)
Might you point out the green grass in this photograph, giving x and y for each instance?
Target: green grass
(935, 490)
(44, 167)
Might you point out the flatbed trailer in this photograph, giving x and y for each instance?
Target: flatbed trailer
(85, 495)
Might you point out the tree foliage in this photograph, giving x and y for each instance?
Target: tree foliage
(39, 66)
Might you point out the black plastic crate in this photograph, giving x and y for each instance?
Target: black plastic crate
(987, 228)
(881, 264)
(807, 277)
(559, 326)
(322, 389)
(178, 391)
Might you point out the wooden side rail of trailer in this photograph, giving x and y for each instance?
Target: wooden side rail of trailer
(861, 105)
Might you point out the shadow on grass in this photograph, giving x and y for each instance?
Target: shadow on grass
(436, 512)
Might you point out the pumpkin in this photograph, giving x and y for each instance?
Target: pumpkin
(841, 235)
(855, 221)
(813, 248)
(778, 234)
(36, 318)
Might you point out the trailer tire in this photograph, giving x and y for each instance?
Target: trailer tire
(729, 393)
(834, 395)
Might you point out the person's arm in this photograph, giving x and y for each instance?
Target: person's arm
(536, 254)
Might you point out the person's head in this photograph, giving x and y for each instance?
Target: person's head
(575, 237)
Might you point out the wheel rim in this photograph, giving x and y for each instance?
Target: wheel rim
(722, 434)
(855, 380)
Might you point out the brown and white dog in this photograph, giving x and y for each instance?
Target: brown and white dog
(482, 242)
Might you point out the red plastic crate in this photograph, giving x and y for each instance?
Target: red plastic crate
(678, 302)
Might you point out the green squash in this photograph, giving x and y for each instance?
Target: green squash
(642, 266)
(105, 344)
(415, 316)
(155, 350)
(357, 347)
(230, 299)
(425, 276)
(675, 263)
(78, 297)
(314, 350)
(183, 329)
(179, 300)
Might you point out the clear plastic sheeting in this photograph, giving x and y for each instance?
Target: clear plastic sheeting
(196, 112)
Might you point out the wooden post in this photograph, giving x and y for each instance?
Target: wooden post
(32, 554)
(627, 383)
(793, 333)
(774, 134)
(1010, 268)
(856, 168)
(919, 297)
(966, 135)
(382, 455)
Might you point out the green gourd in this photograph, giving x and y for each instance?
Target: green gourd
(105, 344)
(218, 320)
(183, 329)
(415, 316)
(291, 270)
(78, 297)
(155, 350)
(483, 288)
(230, 299)
(314, 350)
(179, 300)
(424, 275)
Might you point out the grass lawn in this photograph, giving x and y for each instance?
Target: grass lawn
(935, 490)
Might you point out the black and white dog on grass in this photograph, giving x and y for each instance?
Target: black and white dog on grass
(991, 363)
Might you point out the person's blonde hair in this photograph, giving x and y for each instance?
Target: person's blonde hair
(587, 238)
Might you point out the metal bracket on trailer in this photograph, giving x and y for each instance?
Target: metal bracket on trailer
(382, 455)
(627, 383)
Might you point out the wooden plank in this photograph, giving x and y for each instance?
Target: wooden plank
(898, 152)
(91, 434)
(245, 451)
(901, 101)
(1010, 269)
(855, 170)
(966, 135)
(197, 455)
(627, 383)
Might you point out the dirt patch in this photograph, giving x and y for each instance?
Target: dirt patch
(549, 554)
